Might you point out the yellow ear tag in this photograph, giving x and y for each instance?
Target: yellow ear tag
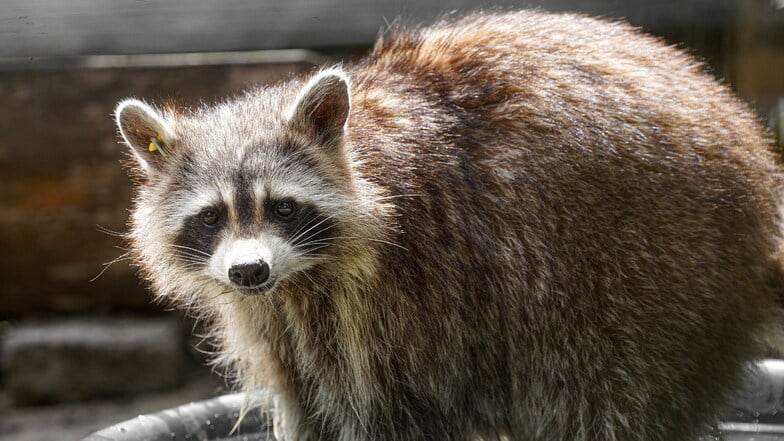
(156, 144)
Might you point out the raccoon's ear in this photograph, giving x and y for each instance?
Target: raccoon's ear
(322, 106)
(146, 132)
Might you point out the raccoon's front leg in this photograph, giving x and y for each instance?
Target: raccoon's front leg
(291, 424)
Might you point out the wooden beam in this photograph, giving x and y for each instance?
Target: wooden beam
(45, 28)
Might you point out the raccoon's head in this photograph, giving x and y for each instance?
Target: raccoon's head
(241, 196)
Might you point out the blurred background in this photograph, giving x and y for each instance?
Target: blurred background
(81, 351)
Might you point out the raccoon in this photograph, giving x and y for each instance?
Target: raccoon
(506, 225)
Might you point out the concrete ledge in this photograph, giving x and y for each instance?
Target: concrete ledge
(168, 60)
(86, 359)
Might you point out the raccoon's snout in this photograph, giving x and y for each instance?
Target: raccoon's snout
(249, 274)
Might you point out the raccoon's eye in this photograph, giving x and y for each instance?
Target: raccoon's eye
(210, 218)
(284, 209)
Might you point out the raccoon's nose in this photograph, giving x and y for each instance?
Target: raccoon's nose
(249, 274)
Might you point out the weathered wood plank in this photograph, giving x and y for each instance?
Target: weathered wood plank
(33, 28)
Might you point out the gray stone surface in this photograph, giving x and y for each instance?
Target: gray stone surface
(86, 359)
(74, 421)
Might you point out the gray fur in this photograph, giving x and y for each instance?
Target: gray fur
(530, 227)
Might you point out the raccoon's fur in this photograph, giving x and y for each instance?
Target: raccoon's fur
(507, 225)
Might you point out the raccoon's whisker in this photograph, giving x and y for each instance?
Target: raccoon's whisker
(192, 266)
(181, 255)
(321, 241)
(183, 247)
(192, 261)
(189, 259)
(309, 251)
(187, 256)
(193, 253)
(297, 237)
(315, 242)
(105, 230)
(311, 246)
(365, 238)
(314, 248)
(301, 229)
(305, 240)
(124, 256)
(188, 251)
(396, 196)
(304, 245)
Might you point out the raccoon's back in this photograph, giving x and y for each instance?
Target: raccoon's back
(559, 114)
(570, 185)
(569, 81)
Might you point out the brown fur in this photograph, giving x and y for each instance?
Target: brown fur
(564, 230)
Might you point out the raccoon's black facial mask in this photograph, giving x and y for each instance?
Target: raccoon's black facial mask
(251, 245)
(302, 224)
(200, 235)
